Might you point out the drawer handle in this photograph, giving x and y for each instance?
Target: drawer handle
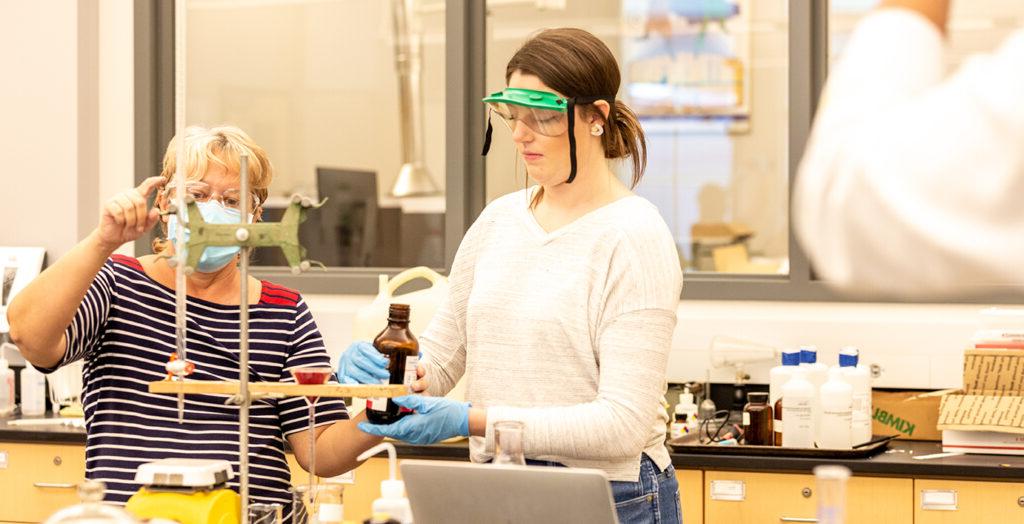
(57, 485)
(796, 519)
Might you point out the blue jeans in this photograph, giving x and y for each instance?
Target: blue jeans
(653, 499)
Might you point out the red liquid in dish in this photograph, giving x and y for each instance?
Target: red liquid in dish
(312, 376)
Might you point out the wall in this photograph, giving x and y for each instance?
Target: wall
(66, 106)
(917, 346)
(39, 130)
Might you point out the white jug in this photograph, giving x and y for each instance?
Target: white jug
(372, 318)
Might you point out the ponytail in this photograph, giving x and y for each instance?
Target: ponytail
(625, 138)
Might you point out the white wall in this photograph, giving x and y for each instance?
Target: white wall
(39, 127)
(66, 118)
(917, 346)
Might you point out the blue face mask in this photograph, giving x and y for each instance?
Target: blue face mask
(214, 257)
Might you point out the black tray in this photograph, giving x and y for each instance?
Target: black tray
(876, 445)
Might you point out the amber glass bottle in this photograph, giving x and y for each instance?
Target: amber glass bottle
(399, 345)
(757, 420)
(778, 422)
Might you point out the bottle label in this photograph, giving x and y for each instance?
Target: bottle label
(746, 418)
(410, 376)
(677, 429)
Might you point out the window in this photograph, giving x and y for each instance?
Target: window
(709, 82)
(727, 110)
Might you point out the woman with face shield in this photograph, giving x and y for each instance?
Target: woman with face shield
(117, 313)
(563, 296)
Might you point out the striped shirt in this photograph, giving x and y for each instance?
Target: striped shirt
(124, 329)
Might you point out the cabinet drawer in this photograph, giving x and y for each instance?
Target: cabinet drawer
(39, 479)
(958, 501)
(691, 494)
(778, 497)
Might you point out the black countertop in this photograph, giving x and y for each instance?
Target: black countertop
(896, 461)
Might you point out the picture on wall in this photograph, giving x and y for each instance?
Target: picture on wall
(18, 266)
(687, 57)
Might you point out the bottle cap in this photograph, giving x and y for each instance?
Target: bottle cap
(849, 356)
(685, 398)
(392, 489)
(790, 357)
(808, 354)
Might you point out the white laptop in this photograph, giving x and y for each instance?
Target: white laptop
(462, 492)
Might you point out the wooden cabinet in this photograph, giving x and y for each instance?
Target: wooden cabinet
(740, 497)
(958, 501)
(691, 494)
(38, 479)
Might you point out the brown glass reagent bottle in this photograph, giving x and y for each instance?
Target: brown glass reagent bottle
(399, 345)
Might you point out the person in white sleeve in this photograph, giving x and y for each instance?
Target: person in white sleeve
(911, 178)
(563, 296)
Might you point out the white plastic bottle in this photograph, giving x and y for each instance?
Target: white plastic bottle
(685, 419)
(798, 411)
(859, 378)
(779, 375)
(392, 501)
(836, 406)
(817, 373)
(6, 387)
(33, 391)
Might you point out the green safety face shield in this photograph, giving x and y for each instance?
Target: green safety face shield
(545, 113)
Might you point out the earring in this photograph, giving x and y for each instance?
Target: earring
(597, 130)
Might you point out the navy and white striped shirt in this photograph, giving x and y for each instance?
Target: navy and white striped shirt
(124, 329)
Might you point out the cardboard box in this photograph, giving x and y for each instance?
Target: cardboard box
(993, 396)
(983, 442)
(910, 414)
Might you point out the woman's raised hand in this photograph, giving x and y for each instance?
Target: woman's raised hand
(127, 216)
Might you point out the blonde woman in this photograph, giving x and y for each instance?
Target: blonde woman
(117, 313)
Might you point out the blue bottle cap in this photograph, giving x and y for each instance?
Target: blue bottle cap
(849, 356)
(791, 357)
(808, 354)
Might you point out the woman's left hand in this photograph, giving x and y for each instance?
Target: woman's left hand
(420, 384)
(435, 419)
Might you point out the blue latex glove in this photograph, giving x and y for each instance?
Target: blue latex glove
(361, 363)
(435, 419)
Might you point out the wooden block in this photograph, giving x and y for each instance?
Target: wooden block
(285, 389)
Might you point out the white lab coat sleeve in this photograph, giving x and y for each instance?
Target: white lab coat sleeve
(910, 181)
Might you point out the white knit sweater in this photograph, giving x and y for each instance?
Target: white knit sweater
(567, 331)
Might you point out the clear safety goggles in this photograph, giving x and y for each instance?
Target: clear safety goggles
(543, 112)
(202, 192)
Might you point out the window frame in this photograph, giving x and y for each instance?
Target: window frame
(465, 53)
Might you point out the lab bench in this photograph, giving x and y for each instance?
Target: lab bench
(40, 465)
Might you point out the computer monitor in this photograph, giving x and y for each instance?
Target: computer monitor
(347, 232)
(461, 492)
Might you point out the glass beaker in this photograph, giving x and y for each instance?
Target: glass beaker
(508, 442)
(264, 514)
(831, 481)
(317, 504)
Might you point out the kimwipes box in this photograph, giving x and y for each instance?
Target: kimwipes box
(910, 414)
(988, 415)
